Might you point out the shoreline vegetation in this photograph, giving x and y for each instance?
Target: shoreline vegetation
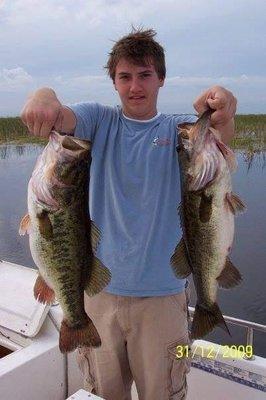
(250, 132)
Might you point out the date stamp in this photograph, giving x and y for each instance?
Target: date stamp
(214, 351)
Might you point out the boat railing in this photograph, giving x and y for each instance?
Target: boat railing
(249, 325)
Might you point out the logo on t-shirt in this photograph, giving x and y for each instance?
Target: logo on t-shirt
(161, 141)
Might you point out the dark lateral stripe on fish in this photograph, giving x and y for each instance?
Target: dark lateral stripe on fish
(206, 220)
(60, 236)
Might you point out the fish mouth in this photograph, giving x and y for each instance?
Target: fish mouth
(196, 132)
(69, 145)
(61, 150)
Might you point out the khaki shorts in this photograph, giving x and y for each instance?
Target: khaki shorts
(139, 338)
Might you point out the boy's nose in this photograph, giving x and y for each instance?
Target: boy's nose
(135, 85)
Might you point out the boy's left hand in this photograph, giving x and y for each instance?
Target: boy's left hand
(219, 99)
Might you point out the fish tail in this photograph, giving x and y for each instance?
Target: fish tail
(72, 337)
(205, 319)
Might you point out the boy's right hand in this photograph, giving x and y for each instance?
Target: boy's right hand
(42, 113)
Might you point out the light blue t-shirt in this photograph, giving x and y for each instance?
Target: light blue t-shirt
(134, 195)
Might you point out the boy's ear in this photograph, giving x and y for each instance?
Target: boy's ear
(161, 81)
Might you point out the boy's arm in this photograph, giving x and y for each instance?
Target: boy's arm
(43, 112)
(226, 130)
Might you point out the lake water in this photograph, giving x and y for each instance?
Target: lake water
(248, 301)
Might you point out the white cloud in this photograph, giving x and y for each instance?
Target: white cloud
(79, 81)
(208, 81)
(93, 13)
(64, 44)
(14, 78)
(82, 81)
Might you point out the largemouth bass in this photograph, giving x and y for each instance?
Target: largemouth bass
(62, 237)
(207, 214)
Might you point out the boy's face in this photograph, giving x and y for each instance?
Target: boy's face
(138, 88)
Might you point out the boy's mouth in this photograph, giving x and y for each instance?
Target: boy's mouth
(136, 97)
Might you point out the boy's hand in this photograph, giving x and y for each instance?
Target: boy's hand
(219, 99)
(42, 113)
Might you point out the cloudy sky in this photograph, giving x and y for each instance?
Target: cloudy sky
(64, 44)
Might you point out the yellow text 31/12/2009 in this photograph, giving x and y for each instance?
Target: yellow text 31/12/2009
(214, 351)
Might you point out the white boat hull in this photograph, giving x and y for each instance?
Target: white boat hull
(35, 368)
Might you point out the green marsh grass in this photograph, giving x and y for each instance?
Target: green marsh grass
(12, 130)
(250, 132)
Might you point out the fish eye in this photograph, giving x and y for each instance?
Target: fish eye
(184, 135)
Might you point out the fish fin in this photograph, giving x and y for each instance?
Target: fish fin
(72, 337)
(230, 276)
(95, 237)
(45, 225)
(100, 276)
(227, 153)
(42, 292)
(235, 203)
(205, 319)
(24, 226)
(205, 208)
(179, 261)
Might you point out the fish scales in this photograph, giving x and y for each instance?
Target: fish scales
(207, 220)
(62, 237)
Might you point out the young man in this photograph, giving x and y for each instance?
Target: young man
(141, 315)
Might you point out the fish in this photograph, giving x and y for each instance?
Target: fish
(207, 211)
(63, 240)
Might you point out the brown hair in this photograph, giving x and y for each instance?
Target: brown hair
(140, 48)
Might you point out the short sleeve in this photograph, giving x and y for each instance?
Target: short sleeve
(88, 117)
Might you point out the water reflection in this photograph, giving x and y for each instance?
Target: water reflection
(254, 159)
(15, 151)
(3, 152)
(252, 145)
